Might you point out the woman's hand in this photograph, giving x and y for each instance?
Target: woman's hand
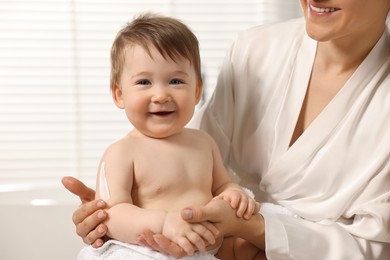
(217, 211)
(160, 243)
(89, 217)
(224, 218)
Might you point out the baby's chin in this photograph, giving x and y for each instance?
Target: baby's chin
(161, 135)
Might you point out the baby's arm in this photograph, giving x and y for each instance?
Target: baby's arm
(125, 220)
(225, 188)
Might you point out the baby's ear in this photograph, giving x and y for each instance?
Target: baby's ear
(198, 92)
(117, 96)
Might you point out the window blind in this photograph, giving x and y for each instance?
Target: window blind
(56, 112)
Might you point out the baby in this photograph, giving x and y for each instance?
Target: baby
(148, 176)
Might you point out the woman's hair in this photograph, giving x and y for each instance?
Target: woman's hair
(169, 36)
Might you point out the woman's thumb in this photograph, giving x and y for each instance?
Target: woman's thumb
(193, 214)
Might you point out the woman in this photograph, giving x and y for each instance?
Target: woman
(301, 111)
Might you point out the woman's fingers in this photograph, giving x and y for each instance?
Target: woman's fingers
(212, 212)
(90, 214)
(98, 243)
(159, 242)
(89, 219)
(148, 240)
(196, 241)
(95, 237)
(186, 245)
(206, 231)
(168, 247)
(91, 229)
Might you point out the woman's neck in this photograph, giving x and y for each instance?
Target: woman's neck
(347, 53)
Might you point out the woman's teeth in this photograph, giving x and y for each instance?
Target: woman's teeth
(323, 10)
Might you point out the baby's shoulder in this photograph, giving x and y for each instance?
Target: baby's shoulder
(121, 146)
(195, 132)
(198, 135)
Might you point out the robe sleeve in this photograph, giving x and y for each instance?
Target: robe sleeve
(294, 238)
(362, 231)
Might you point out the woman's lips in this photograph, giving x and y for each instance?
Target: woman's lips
(323, 10)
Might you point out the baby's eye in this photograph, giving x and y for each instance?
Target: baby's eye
(143, 82)
(176, 82)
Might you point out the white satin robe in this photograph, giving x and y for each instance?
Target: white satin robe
(336, 176)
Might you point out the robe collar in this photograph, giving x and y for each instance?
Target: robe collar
(288, 160)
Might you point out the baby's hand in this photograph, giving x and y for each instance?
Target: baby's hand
(189, 236)
(239, 200)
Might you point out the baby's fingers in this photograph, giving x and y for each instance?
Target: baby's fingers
(232, 197)
(253, 208)
(242, 208)
(234, 200)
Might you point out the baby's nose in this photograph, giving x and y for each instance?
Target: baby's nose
(161, 97)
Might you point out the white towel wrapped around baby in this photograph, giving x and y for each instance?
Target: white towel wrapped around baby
(113, 249)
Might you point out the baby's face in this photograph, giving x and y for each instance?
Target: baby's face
(159, 95)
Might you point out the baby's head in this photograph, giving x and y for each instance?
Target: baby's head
(156, 74)
(169, 36)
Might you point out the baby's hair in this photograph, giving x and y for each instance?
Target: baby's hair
(168, 35)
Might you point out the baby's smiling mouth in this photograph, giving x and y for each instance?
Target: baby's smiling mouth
(162, 113)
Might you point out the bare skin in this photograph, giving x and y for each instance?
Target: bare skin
(218, 212)
(87, 217)
(237, 248)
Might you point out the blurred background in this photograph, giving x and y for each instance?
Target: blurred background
(56, 111)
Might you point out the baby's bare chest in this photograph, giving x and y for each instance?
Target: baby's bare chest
(171, 172)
